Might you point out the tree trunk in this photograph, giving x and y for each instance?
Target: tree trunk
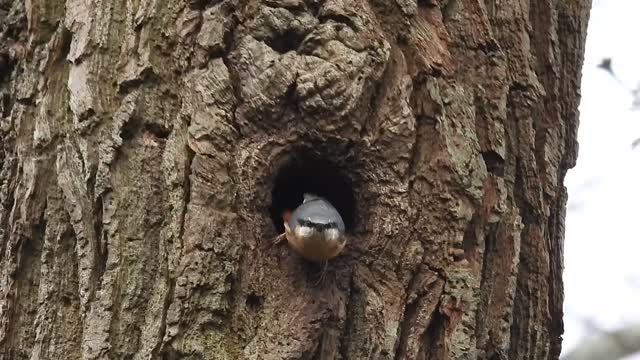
(149, 148)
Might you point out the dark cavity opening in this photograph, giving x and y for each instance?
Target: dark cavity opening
(254, 301)
(285, 42)
(305, 174)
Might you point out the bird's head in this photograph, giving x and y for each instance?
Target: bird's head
(315, 229)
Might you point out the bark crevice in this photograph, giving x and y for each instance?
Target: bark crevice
(441, 132)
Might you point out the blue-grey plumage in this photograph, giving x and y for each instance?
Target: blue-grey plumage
(316, 212)
(315, 229)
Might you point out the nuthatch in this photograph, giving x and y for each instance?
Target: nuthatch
(315, 229)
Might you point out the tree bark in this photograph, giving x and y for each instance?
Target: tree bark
(148, 148)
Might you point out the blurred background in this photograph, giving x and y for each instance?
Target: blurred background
(602, 245)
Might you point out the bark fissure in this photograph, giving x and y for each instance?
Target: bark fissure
(148, 138)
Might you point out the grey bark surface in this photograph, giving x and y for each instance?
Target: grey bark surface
(141, 141)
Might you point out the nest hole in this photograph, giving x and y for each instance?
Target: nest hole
(312, 175)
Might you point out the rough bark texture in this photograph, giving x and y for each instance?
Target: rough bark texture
(148, 145)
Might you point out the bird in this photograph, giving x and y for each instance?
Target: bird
(315, 230)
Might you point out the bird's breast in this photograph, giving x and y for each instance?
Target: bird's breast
(316, 245)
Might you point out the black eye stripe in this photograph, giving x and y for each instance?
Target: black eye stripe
(316, 226)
